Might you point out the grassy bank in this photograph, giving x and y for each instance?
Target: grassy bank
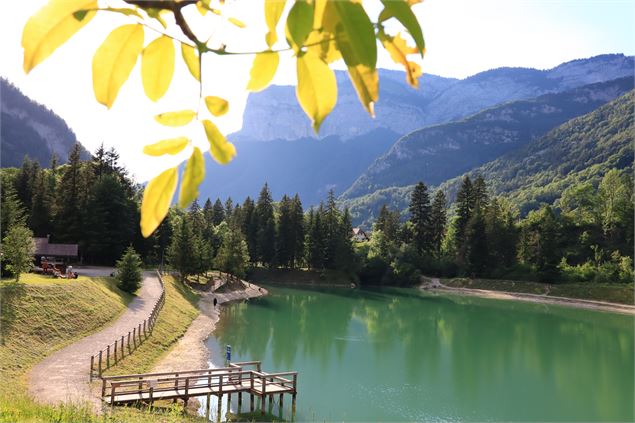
(42, 315)
(178, 312)
(613, 293)
(299, 277)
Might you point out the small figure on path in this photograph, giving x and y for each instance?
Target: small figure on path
(215, 302)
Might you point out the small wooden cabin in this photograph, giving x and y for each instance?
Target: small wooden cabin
(58, 255)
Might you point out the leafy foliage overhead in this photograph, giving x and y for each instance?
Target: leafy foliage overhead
(319, 32)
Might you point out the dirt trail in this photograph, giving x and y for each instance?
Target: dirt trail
(434, 284)
(64, 375)
(191, 352)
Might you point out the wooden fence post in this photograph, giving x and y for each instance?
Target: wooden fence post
(92, 366)
(108, 356)
(100, 354)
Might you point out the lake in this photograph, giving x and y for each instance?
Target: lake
(404, 355)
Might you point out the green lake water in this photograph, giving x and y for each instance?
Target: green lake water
(405, 355)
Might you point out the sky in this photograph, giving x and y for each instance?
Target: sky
(463, 37)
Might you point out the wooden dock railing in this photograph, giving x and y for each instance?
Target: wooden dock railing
(150, 387)
(125, 345)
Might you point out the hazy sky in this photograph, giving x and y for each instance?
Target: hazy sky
(463, 37)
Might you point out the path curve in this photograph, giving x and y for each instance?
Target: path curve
(64, 375)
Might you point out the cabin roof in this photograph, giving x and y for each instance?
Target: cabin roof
(44, 248)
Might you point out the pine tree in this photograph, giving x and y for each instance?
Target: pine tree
(315, 239)
(420, 218)
(464, 208)
(285, 239)
(17, 249)
(182, 251)
(12, 211)
(479, 193)
(68, 219)
(330, 219)
(345, 259)
(297, 221)
(229, 207)
(233, 255)
(219, 212)
(539, 242)
(250, 228)
(388, 223)
(129, 271)
(476, 251)
(438, 221)
(40, 217)
(266, 235)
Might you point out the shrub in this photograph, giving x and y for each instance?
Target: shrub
(129, 271)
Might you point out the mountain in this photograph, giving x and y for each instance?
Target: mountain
(581, 150)
(274, 114)
(307, 166)
(29, 128)
(440, 152)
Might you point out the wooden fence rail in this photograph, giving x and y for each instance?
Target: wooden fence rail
(126, 344)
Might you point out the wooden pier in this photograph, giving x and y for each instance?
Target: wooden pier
(239, 378)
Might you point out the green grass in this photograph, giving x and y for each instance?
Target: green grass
(41, 315)
(613, 293)
(178, 312)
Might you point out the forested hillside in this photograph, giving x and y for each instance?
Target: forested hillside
(29, 128)
(437, 153)
(581, 151)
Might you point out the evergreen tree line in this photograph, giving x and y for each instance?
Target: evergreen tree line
(587, 237)
(93, 203)
(233, 237)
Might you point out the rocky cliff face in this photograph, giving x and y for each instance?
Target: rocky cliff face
(437, 153)
(274, 113)
(29, 128)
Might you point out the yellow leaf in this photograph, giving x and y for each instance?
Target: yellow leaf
(157, 67)
(399, 52)
(316, 89)
(192, 178)
(238, 23)
(221, 150)
(216, 105)
(180, 118)
(114, 60)
(170, 146)
(52, 26)
(323, 44)
(366, 83)
(273, 11)
(156, 200)
(192, 61)
(318, 14)
(201, 8)
(263, 71)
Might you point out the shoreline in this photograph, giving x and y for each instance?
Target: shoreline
(190, 352)
(435, 286)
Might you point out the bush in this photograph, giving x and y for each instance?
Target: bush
(129, 271)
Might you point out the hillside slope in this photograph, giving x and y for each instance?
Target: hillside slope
(581, 150)
(29, 128)
(437, 153)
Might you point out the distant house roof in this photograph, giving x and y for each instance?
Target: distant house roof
(44, 248)
(360, 235)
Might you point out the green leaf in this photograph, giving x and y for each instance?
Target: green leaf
(157, 67)
(192, 60)
(114, 60)
(180, 118)
(170, 146)
(299, 24)
(317, 88)
(157, 197)
(192, 178)
(52, 26)
(273, 11)
(216, 105)
(263, 70)
(221, 150)
(358, 32)
(400, 9)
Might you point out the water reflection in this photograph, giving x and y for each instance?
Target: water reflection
(404, 355)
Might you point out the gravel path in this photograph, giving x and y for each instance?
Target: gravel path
(64, 375)
(191, 351)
